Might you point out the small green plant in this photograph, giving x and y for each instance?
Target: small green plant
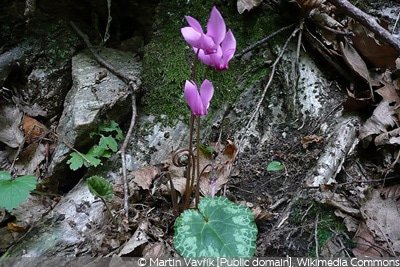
(275, 166)
(217, 227)
(109, 135)
(102, 189)
(14, 191)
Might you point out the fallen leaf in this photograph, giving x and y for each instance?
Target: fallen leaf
(354, 61)
(381, 54)
(392, 192)
(381, 216)
(33, 129)
(261, 215)
(155, 250)
(366, 245)
(231, 149)
(243, 5)
(310, 4)
(389, 93)
(15, 227)
(382, 118)
(138, 238)
(144, 176)
(309, 139)
(353, 103)
(388, 138)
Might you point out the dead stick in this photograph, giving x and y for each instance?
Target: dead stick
(131, 81)
(260, 42)
(368, 21)
(122, 151)
(133, 84)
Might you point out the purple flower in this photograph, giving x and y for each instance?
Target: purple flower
(224, 54)
(199, 102)
(209, 42)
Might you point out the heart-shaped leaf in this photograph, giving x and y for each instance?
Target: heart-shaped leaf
(219, 228)
(100, 187)
(14, 192)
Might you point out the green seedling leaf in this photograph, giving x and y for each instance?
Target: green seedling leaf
(275, 166)
(219, 228)
(113, 127)
(75, 162)
(14, 192)
(109, 143)
(92, 157)
(100, 187)
(207, 150)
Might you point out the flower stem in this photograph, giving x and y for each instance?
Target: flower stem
(188, 187)
(198, 160)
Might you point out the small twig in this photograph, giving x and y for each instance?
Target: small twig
(133, 83)
(109, 212)
(316, 237)
(368, 21)
(123, 159)
(260, 42)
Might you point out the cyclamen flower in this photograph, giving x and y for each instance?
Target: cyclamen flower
(216, 30)
(199, 102)
(224, 54)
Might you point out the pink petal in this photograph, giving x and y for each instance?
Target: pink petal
(206, 93)
(194, 23)
(193, 98)
(228, 48)
(191, 36)
(216, 27)
(207, 44)
(206, 59)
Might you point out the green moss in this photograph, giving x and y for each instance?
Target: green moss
(305, 213)
(168, 59)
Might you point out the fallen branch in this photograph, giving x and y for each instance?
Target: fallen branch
(368, 21)
(260, 42)
(133, 83)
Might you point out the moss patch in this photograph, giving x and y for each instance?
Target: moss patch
(168, 58)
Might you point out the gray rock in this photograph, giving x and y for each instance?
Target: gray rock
(96, 96)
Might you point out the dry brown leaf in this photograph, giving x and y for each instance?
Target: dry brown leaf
(138, 238)
(366, 245)
(392, 192)
(33, 129)
(221, 168)
(381, 217)
(310, 4)
(243, 5)
(179, 185)
(307, 140)
(261, 215)
(382, 55)
(155, 250)
(388, 138)
(389, 94)
(231, 149)
(354, 61)
(15, 227)
(144, 176)
(382, 118)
